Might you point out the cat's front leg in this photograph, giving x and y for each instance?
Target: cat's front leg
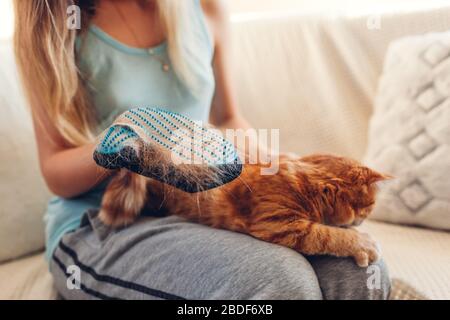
(123, 199)
(313, 238)
(342, 242)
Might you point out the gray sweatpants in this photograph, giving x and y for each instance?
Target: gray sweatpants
(169, 258)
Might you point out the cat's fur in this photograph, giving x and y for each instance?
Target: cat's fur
(310, 205)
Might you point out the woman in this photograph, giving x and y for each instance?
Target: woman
(131, 53)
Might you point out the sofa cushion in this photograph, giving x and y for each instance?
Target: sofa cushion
(417, 256)
(23, 194)
(25, 279)
(410, 132)
(314, 76)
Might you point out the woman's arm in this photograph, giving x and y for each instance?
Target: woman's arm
(67, 171)
(224, 110)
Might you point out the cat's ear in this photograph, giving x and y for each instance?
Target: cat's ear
(364, 175)
(372, 176)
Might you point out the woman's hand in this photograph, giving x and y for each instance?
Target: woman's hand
(70, 172)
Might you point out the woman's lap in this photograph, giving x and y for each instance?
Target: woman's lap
(169, 258)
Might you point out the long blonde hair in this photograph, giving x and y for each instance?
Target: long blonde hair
(46, 56)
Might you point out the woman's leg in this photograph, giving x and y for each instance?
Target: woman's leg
(342, 279)
(169, 258)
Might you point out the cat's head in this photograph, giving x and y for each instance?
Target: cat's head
(347, 189)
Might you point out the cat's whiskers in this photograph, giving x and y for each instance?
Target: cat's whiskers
(164, 198)
(224, 190)
(245, 184)
(198, 204)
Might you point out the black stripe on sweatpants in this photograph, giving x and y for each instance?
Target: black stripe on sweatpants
(116, 281)
(87, 290)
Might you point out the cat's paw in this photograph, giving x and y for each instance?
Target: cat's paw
(365, 250)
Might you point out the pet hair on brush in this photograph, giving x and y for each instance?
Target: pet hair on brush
(170, 148)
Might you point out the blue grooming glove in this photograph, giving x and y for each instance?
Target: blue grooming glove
(170, 148)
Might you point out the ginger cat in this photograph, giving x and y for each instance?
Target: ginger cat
(310, 205)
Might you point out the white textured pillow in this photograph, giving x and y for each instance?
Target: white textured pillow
(410, 132)
(23, 194)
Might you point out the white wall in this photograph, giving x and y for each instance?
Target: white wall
(6, 19)
(342, 7)
(250, 6)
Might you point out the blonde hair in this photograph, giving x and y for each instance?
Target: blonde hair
(46, 56)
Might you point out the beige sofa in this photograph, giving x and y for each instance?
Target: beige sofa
(312, 76)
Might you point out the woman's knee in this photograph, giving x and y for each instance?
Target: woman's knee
(342, 279)
(279, 273)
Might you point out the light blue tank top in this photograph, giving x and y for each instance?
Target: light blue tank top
(120, 77)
